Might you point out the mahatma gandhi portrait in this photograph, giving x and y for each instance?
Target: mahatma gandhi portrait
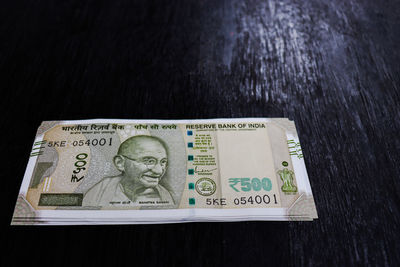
(142, 161)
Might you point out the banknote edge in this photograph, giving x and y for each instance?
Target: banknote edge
(24, 213)
(303, 206)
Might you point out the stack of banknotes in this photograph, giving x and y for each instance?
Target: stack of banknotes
(107, 171)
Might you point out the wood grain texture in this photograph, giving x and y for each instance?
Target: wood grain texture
(332, 66)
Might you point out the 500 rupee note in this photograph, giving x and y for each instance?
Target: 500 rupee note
(114, 169)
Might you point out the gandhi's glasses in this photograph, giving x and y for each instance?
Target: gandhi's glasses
(150, 162)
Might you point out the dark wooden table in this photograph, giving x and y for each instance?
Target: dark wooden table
(331, 66)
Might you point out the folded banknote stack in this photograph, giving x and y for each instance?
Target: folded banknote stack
(107, 171)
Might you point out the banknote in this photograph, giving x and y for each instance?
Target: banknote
(154, 171)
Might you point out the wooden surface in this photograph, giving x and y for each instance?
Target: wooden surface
(331, 66)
